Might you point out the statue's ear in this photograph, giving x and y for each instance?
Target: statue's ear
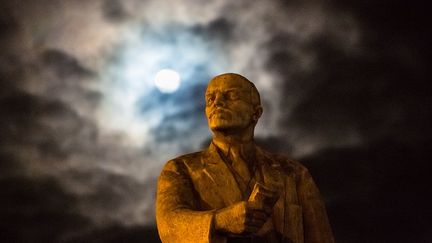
(258, 112)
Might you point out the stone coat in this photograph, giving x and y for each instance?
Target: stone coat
(191, 187)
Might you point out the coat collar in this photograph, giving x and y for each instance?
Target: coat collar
(211, 156)
(271, 169)
(224, 183)
(222, 178)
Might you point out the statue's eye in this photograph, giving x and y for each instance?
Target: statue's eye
(232, 95)
(209, 99)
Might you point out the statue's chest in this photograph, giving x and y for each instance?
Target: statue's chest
(216, 186)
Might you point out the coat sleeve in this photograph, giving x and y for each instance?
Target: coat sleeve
(316, 225)
(177, 215)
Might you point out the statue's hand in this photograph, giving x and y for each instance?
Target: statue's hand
(241, 218)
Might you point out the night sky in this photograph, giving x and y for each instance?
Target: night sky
(84, 132)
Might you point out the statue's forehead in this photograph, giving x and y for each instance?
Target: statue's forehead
(220, 84)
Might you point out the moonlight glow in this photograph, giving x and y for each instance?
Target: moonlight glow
(137, 82)
(167, 80)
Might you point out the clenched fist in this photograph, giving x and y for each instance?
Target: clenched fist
(241, 218)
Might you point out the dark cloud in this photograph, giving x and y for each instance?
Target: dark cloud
(118, 233)
(217, 30)
(275, 144)
(24, 124)
(113, 10)
(33, 209)
(369, 90)
(8, 24)
(109, 196)
(64, 65)
(37, 210)
(377, 191)
(9, 164)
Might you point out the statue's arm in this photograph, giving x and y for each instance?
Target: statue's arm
(315, 221)
(178, 219)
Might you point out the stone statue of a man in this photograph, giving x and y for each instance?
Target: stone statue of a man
(234, 191)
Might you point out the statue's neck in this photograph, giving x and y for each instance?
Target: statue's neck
(238, 141)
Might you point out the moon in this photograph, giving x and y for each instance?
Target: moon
(167, 80)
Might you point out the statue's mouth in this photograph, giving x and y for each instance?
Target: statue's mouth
(218, 111)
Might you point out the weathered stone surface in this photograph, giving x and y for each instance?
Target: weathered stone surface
(235, 191)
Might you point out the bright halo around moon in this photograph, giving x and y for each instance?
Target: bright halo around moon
(167, 80)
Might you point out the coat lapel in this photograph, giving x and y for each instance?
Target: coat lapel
(271, 171)
(221, 181)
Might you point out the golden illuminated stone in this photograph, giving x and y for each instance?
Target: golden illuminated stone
(234, 191)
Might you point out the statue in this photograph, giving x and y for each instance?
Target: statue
(236, 191)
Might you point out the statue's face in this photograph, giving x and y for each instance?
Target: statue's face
(229, 103)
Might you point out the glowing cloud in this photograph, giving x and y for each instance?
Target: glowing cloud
(140, 73)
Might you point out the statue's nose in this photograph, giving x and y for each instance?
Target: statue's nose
(219, 100)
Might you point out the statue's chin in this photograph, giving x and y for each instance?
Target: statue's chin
(225, 126)
(220, 125)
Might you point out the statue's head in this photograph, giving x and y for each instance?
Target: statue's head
(232, 103)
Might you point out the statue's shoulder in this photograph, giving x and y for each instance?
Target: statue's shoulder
(189, 157)
(185, 161)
